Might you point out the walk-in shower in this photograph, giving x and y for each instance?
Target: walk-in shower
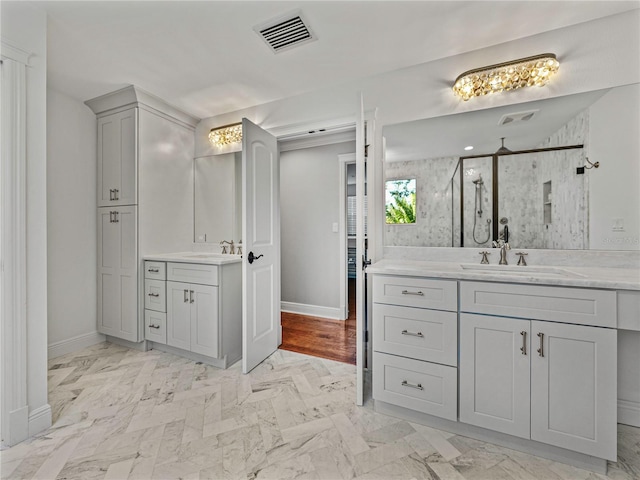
(479, 183)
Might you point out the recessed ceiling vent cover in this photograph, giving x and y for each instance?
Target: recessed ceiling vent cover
(510, 118)
(285, 32)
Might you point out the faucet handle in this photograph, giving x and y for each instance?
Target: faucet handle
(484, 260)
(521, 261)
(224, 248)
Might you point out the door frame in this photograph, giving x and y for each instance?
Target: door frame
(343, 161)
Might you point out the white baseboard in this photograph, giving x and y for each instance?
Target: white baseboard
(312, 310)
(74, 344)
(39, 419)
(629, 413)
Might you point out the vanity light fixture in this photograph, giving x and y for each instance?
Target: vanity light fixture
(524, 72)
(222, 136)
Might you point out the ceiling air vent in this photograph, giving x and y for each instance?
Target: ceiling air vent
(511, 118)
(285, 32)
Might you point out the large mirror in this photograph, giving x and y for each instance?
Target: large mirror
(537, 187)
(217, 205)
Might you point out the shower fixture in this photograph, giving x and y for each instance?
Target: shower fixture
(502, 150)
(479, 183)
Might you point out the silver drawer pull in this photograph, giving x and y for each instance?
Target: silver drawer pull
(523, 348)
(417, 334)
(154, 326)
(411, 385)
(407, 292)
(154, 294)
(153, 270)
(186, 296)
(541, 349)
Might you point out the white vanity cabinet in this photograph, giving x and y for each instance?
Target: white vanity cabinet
(117, 272)
(117, 158)
(203, 309)
(415, 344)
(545, 380)
(144, 165)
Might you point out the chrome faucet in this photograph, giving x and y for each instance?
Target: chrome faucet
(232, 249)
(503, 246)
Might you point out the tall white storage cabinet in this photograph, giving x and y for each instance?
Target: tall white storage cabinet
(145, 193)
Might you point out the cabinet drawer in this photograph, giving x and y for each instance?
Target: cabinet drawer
(155, 297)
(430, 335)
(422, 386)
(416, 292)
(155, 326)
(556, 304)
(155, 270)
(192, 273)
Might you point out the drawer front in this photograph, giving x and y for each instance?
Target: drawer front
(193, 273)
(155, 295)
(155, 270)
(416, 292)
(422, 386)
(155, 326)
(419, 333)
(557, 304)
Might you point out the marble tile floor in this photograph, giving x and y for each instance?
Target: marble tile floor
(125, 414)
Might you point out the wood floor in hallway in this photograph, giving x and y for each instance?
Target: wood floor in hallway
(322, 337)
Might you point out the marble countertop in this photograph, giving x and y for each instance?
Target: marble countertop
(196, 257)
(570, 276)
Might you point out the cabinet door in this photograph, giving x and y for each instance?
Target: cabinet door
(178, 315)
(204, 320)
(117, 154)
(494, 373)
(573, 388)
(108, 272)
(118, 273)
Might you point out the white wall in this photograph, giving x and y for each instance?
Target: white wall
(309, 205)
(614, 188)
(25, 27)
(71, 224)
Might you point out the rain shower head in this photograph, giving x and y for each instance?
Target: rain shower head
(502, 149)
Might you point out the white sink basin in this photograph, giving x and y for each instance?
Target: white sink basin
(540, 271)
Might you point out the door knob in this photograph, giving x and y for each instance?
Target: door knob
(251, 257)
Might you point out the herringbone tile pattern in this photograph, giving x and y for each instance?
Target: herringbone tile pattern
(124, 414)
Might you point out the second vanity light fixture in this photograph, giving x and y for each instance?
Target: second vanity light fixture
(227, 135)
(524, 72)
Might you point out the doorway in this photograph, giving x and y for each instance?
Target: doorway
(316, 317)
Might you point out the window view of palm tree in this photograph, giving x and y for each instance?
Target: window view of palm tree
(400, 201)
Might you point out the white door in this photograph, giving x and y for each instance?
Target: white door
(261, 332)
(360, 254)
(573, 388)
(494, 373)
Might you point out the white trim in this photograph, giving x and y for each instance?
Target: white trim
(311, 310)
(13, 230)
(39, 419)
(74, 344)
(318, 139)
(343, 161)
(629, 413)
(14, 53)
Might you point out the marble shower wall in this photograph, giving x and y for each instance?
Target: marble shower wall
(477, 231)
(434, 221)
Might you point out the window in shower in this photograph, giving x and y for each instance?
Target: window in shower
(400, 201)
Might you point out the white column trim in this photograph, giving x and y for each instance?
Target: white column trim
(13, 298)
(343, 160)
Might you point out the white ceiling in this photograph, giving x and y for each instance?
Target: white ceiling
(205, 58)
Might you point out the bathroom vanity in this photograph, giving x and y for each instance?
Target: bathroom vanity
(193, 306)
(525, 357)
